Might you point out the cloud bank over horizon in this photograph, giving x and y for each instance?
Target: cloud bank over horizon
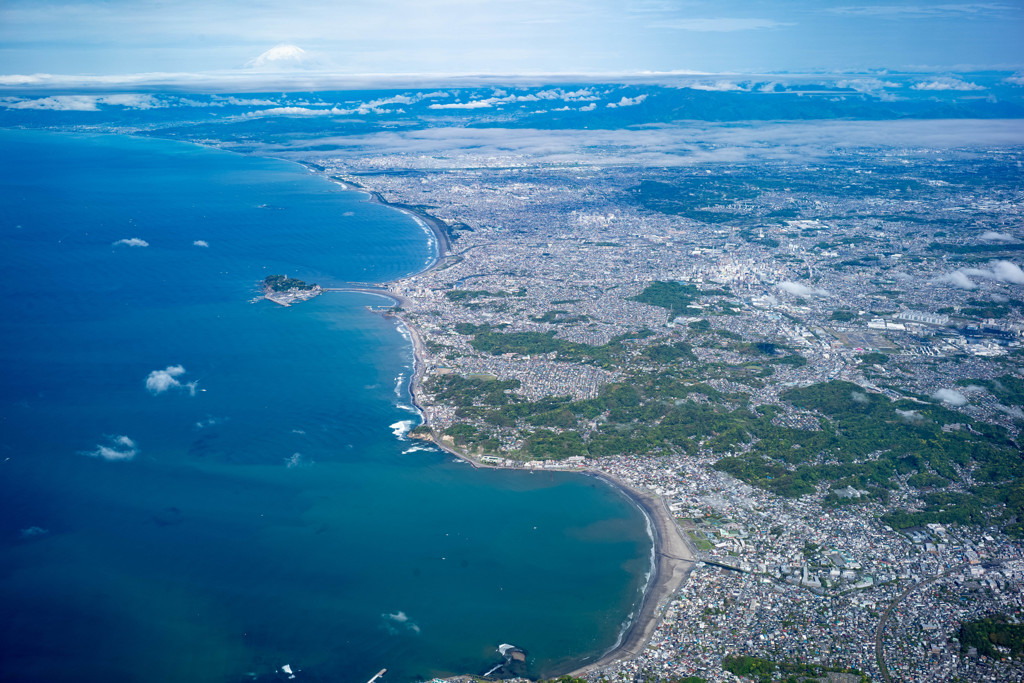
(663, 145)
(503, 36)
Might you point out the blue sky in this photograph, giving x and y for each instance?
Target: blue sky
(511, 36)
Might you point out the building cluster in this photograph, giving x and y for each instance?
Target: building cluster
(903, 293)
(793, 581)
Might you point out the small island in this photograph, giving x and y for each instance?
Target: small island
(286, 291)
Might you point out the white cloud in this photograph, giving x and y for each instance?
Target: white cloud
(628, 101)
(374, 107)
(1012, 411)
(911, 416)
(946, 83)
(26, 79)
(581, 95)
(589, 107)
(716, 86)
(951, 397)
(656, 145)
(84, 102)
(399, 619)
(798, 289)
(238, 102)
(993, 236)
(476, 104)
(118, 448)
(131, 242)
(1015, 79)
(1002, 271)
(363, 108)
(33, 532)
(397, 99)
(132, 101)
(721, 24)
(56, 103)
(923, 10)
(159, 381)
(1005, 271)
(300, 111)
(200, 243)
(867, 85)
(957, 279)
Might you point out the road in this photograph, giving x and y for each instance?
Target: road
(880, 629)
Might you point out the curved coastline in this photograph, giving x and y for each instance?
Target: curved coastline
(673, 561)
(673, 557)
(438, 227)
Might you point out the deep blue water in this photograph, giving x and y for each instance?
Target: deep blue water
(269, 514)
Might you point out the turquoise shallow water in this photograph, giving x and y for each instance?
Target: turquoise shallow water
(269, 514)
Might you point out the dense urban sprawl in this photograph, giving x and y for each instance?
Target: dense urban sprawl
(889, 279)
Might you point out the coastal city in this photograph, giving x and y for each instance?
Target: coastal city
(450, 341)
(815, 368)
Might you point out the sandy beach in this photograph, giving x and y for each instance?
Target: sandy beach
(673, 560)
(673, 556)
(436, 225)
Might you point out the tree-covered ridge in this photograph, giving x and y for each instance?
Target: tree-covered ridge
(693, 198)
(559, 317)
(283, 283)
(461, 295)
(1008, 389)
(870, 443)
(647, 414)
(768, 670)
(964, 471)
(662, 407)
(675, 296)
(466, 391)
(496, 343)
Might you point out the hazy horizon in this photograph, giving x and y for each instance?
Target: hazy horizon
(117, 41)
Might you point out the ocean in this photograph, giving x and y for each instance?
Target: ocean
(197, 485)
